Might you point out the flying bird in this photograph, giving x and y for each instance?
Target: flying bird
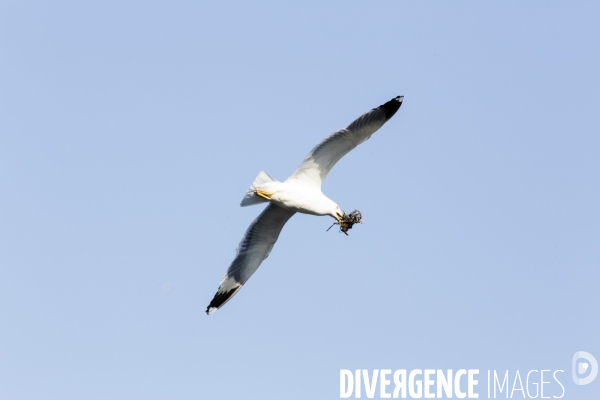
(301, 192)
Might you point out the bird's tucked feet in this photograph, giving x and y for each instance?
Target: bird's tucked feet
(264, 194)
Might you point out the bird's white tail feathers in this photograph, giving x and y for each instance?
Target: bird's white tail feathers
(251, 198)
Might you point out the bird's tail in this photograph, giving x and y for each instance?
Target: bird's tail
(251, 198)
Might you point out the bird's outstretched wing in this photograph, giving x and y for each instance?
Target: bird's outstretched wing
(323, 157)
(253, 249)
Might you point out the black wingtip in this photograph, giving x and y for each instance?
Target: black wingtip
(220, 299)
(391, 106)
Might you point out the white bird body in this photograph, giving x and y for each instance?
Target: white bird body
(301, 192)
(299, 197)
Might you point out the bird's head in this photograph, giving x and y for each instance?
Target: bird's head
(336, 212)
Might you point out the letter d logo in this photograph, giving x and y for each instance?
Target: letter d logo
(581, 367)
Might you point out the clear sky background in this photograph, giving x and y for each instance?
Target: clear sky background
(129, 134)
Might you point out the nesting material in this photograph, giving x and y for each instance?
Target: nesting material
(347, 221)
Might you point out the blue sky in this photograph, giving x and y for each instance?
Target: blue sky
(130, 132)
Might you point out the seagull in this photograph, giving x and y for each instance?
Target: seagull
(301, 192)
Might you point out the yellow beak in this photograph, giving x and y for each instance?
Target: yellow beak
(339, 215)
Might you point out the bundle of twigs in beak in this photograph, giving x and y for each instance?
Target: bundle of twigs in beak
(348, 220)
